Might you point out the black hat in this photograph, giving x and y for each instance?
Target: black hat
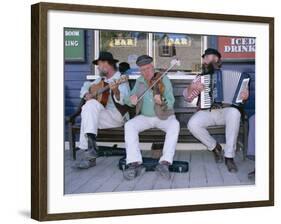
(105, 56)
(144, 60)
(209, 51)
(123, 67)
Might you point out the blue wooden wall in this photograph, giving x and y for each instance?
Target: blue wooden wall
(75, 75)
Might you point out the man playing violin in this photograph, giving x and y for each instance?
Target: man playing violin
(153, 110)
(96, 115)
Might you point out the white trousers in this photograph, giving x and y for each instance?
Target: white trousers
(93, 117)
(230, 117)
(140, 123)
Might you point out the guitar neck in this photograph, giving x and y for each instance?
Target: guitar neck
(105, 88)
(102, 90)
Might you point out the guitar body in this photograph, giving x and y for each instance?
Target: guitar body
(100, 97)
(104, 96)
(101, 90)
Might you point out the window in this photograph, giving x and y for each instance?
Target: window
(183, 46)
(124, 45)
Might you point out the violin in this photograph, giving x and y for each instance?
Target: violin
(159, 87)
(158, 79)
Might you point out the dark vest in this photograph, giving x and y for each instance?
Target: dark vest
(161, 111)
(123, 109)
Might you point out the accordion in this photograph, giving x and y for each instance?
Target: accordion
(223, 87)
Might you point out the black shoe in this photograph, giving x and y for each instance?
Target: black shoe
(92, 146)
(252, 175)
(217, 151)
(89, 156)
(85, 164)
(163, 169)
(134, 170)
(230, 164)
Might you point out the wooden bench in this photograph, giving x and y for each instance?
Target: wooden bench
(183, 112)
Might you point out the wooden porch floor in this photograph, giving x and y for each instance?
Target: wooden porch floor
(203, 172)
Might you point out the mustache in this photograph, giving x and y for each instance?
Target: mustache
(102, 72)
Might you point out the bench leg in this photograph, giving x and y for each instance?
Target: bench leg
(245, 138)
(157, 149)
(71, 140)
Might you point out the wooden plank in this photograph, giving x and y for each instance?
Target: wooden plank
(78, 177)
(244, 167)
(181, 180)
(198, 176)
(68, 161)
(110, 184)
(147, 181)
(106, 176)
(117, 181)
(128, 185)
(67, 155)
(162, 183)
(97, 179)
(228, 178)
(214, 177)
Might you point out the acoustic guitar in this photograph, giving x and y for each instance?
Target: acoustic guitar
(100, 91)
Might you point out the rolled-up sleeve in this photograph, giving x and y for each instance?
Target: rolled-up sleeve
(86, 86)
(85, 89)
(189, 97)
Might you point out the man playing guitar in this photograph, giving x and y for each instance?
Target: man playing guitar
(103, 106)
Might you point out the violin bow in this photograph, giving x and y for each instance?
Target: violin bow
(172, 64)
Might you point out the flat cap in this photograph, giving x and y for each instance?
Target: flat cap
(144, 60)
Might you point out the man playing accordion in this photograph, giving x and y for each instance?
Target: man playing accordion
(227, 115)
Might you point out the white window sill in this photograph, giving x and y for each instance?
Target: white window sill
(189, 76)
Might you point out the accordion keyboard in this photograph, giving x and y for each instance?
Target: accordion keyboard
(205, 98)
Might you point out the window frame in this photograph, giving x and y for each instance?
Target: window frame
(150, 51)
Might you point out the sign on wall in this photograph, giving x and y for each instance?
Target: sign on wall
(74, 45)
(237, 48)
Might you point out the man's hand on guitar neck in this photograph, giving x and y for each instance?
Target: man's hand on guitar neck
(114, 88)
